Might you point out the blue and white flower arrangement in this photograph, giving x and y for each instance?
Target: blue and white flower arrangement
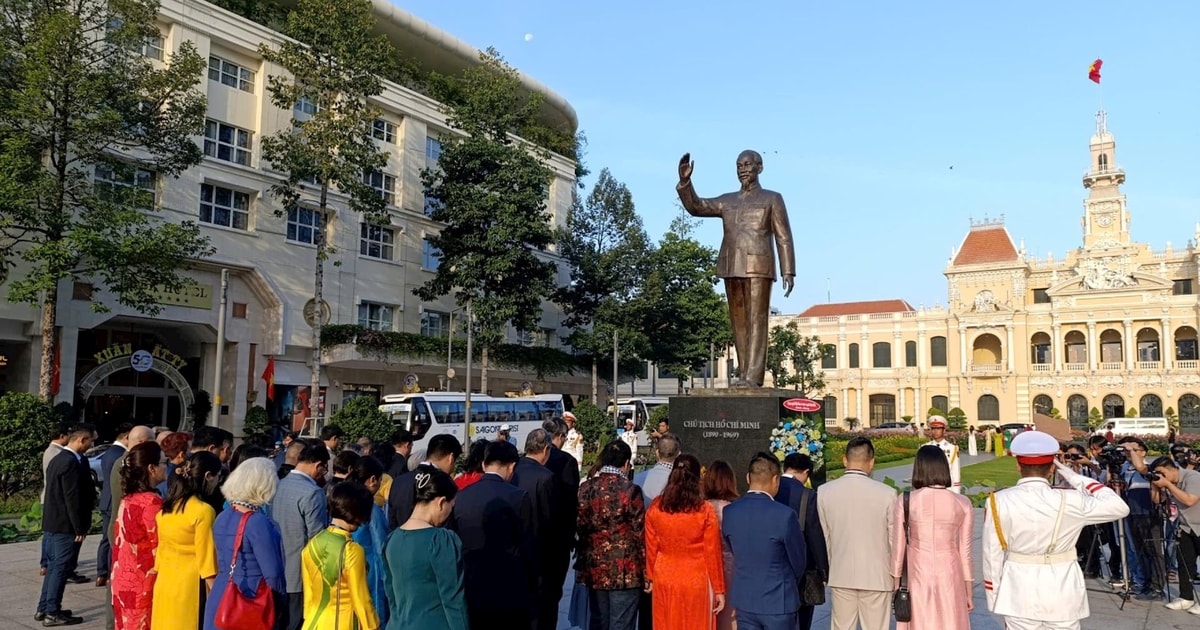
(794, 435)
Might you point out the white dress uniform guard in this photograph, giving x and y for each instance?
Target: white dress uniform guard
(950, 449)
(1030, 570)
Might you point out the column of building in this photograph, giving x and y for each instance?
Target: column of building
(1056, 346)
(1093, 353)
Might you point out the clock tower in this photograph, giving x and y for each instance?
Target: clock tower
(1105, 217)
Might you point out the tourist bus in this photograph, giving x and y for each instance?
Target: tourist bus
(426, 414)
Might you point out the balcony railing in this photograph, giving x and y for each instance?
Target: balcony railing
(1076, 367)
(1042, 367)
(1187, 364)
(986, 368)
(1148, 365)
(1112, 366)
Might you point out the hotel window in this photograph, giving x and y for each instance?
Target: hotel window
(830, 404)
(224, 207)
(937, 351)
(226, 142)
(829, 357)
(376, 316)
(129, 183)
(430, 256)
(376, 242)
(383, 184)
(881, 354)
(1182, 287)
(383, 130)
(853, 355)
(231, 74)
(910, 354)
(435, 324)
(303, 225)
(152, 47)
(305, 105)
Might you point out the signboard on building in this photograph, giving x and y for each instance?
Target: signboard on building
(192, 296)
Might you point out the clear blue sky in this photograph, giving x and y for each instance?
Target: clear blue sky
(861, 108)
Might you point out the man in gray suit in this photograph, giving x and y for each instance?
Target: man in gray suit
(299, 509)
(654, 480)
(856, 514)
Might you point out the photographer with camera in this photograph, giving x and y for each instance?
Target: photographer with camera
(1143, 528)
(1183, 487)
(1092, 537)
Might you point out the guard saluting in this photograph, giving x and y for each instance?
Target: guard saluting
(937, 435)
(1030, 570)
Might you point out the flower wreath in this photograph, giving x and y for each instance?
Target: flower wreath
(794, 435)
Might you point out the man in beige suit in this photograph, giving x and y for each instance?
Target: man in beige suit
(856, 514)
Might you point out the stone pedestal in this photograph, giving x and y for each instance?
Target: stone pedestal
(732, 424)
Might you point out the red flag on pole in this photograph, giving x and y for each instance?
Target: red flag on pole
(1094, 71)
(269, 376)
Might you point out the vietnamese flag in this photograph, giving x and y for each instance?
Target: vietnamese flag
(1094, 71)
(269, 376)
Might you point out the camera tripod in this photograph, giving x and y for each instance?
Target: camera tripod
(1118, 530)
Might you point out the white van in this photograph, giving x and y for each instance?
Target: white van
(429, 413)
(1138, 426)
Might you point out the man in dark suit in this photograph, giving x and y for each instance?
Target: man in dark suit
(792, 493)
(558, 545)
(444, 450)
(494, 519)
(532, 476)
(768, 552)
(402, 443)
(66, 519)
(110, 457)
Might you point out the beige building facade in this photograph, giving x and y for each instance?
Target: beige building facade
(270, 259)
(1112, 327)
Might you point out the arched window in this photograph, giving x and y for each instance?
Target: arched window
(853, 351)
(937, 351)
(883, 408)
(829, 357)
(881, 354)
(1114, 406)
(1189, 411)
(910, 354)
(941, 403)
(1043, 404)
(1077, 411)
(830, 407)
(1102, 162)
(1039, 346)
(1150, 406)
(988, 409)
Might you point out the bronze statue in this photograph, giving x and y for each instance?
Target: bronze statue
(752, 217)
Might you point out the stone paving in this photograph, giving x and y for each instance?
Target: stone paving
(20, 590)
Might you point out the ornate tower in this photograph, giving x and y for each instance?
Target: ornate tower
(1105, 217)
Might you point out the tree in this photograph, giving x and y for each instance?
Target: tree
(681, 312)
(606, 247)
(1131, 412)
(794, 360)
(1172, 418)
(361, 417)
(956, 418)
(257, 425)
(87, 125)
(25, 420)
(490, 191)
(594, 425)
(1095, 418)
(334, 63)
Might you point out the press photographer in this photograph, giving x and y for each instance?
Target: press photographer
(1093, 538)
(1182, 485)
(1144, 527)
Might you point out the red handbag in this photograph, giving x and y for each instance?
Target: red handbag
(238, 612)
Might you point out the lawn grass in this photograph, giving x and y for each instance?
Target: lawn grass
(997, 473)
(834, 474)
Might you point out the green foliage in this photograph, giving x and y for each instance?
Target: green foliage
(257, 423)
(1095, 418)
(594, 425)
(490, 191)
(934, 411)
(76, 97)
(661, 413)
(956, 418)
(794, 360)
(201, 408)
(1132, 412)
(25, 422)
(681, 312)
(361, 417)
(1172, 418)
(888, 448)
(1055, 413)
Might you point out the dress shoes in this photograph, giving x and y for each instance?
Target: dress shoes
(101, 581)
(76, 578)
(63, 618)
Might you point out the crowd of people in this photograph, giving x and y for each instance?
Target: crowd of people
(345, 536)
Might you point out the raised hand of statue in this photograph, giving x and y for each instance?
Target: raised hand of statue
(789, 282)
(685, 167)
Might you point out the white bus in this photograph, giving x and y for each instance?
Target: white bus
(639, 409)
(427, 414)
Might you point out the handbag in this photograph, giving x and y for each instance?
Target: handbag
(236, 611)
(812, 583)
(902, 600)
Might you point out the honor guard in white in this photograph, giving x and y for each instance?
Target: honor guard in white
(1031, 574)
(937, 435)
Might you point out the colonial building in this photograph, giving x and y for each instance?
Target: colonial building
(124, 365)
(1111, 328)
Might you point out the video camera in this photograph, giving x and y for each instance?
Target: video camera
(1184, 456)
(1112, 456)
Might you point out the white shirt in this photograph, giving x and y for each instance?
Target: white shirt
(951, 451)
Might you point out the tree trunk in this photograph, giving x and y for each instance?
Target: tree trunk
(483, 369)
(318, 293)
(595, 381)
(49, 345)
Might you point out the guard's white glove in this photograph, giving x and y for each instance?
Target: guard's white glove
(1070, 476)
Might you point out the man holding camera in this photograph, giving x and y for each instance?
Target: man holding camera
(1143, 531)
(1183, 488)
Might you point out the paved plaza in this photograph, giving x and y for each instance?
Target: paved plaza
(19, 594)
